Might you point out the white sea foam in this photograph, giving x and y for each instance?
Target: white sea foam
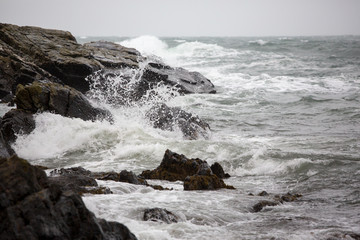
(180, 54)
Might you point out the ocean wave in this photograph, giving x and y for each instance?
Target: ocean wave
(180, 54)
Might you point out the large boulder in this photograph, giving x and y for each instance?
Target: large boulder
(33, 208)
(54, 97)
(169, 118)
(29, 54)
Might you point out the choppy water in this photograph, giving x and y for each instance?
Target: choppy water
(286, 117)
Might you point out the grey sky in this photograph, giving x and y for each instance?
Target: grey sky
(187, 17)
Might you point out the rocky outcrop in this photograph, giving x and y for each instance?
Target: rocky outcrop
(195, 173)
(160, 215)
(31, 207)
(14, 122)
(30, 54)
(169, 118)
(59, 99)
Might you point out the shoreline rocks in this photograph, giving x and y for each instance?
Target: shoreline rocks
(195, 173)
(29, 54)
(31, 207)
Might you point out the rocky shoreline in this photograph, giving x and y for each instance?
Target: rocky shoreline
(44, 70)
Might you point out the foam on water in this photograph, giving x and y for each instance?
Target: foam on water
(281, 121)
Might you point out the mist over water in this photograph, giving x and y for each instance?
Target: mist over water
(285, 117)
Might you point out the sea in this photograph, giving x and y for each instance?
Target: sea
(285, 118)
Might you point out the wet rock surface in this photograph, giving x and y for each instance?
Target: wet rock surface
(169, 118)
(30, 54)
(160, 215)
(174, 167)
(276, 200)
(31, 207)
(195, 173)
(57, 98)
(16, 121)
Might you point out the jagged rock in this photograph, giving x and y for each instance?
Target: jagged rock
(53, 97)
(15, 122)
(30, 54)
(217, 169)
(204, 182)
(33, 208)
(160, 215)
(260, 205)
(169, 118)
(174, 167)
(195, 173)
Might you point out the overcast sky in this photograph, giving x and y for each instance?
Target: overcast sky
(187, 17)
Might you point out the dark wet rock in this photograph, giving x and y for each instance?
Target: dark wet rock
(54, 97)
(5, 149)
(195, 173)
(217, 169)
(160, 215)
(174, 167)
(33, 208)
(260, 205)
(15, 122)
(289, 197)
(263, 193)
(277, 199)
(29, 54)
(123, 176)
(183, 80)
(76, 179)
(169, 118)
(204, 182)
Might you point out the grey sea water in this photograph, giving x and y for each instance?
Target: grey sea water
(285, 118)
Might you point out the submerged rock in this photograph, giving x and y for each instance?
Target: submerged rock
(260, 205)
(277, 199)
(31, 207)
(170, 118)
(53, 97)
(160, 215)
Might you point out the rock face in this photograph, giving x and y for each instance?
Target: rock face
(33, 208)
(169, 118)
(160, 215)
(16, 121)
(53, 97)
(195, 173)
(29, 54)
